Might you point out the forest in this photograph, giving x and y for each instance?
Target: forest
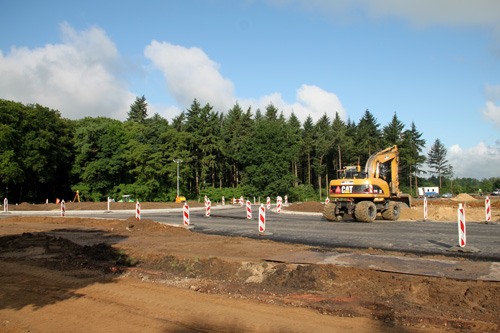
(44, 156)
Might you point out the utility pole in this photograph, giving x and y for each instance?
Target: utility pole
(178, 161)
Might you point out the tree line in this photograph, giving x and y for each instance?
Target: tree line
(239, 152)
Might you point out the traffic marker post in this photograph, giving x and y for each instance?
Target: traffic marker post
(327, 200)
(278, 206)
(286, 200)
(138, 210)
(262, 222)
(487, 209)
(109, 200)
(207, 207)
(425, 208)
(462, 239)
(5, 205)
(242, 201)
(249, 210)
(268, 202)
(262, 219)
(223, 201)
(63, 208)
(185, 215)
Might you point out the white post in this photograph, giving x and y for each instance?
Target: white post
(462, 239)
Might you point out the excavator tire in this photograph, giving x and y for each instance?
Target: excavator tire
(392, 212)
(329, 212)
(365, 211)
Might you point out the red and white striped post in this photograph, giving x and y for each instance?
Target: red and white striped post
(249, 210)
(63, 208)
(268, 202)
(5, 205)
(327, 200)
(223, 201)
(487, 209)
(425, 208)
(278, 206)
(206, 200)
(242, 201)
(286, 200)
(207, 207)
(462, 239)
(138, 210)
(262, 219)
(185, 218)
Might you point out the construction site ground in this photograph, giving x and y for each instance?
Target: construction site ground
(62, 274)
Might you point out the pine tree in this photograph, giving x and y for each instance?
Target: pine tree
(368, 136)
(138, 110)
(393, 132)
(437, 160)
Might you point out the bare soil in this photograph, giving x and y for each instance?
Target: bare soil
(81, 274)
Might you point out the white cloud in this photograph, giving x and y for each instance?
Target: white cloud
(491, 112)
(78, 77)
(310, 100)
(191, 74)
(419, 13)
(477, 162)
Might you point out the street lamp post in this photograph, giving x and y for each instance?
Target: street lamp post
(178, 161)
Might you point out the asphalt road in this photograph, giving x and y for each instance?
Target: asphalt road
(440, 238)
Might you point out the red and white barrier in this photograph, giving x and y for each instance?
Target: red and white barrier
(249, 210)
(286, 200)
(206, 200)
(5, 205)
(462, 239)
(207, 207)
(425, 208)
(268, 202)
(138, 210)
(262, 219)
(327, 200)
(278, 206)
(185, 219)
(223, 201)
(487, 209)
(63, 208)
(242, 201)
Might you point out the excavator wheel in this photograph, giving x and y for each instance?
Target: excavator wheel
(329, 211)
(365, 211)
(392, 212)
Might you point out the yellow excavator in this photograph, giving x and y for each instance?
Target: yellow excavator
(363, 194)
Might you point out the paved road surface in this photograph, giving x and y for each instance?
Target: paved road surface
(483, 240)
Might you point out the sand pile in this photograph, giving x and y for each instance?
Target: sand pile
(463, 197)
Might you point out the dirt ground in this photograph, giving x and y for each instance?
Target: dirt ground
(82, 274)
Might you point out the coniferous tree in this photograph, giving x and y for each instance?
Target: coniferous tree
(138, 110)
(368, 136)
(436, 159)
(393, 132)
(308, 145)
(411, 155)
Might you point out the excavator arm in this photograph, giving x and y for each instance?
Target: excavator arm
(373, 164)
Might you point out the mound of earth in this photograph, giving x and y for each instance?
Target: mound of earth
(78, 274)
(464, 197)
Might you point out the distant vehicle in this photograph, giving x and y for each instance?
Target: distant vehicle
(432, 195)
(126, 198)
(447, 195)
(496, 192)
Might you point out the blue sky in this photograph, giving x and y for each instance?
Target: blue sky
(436, 63)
